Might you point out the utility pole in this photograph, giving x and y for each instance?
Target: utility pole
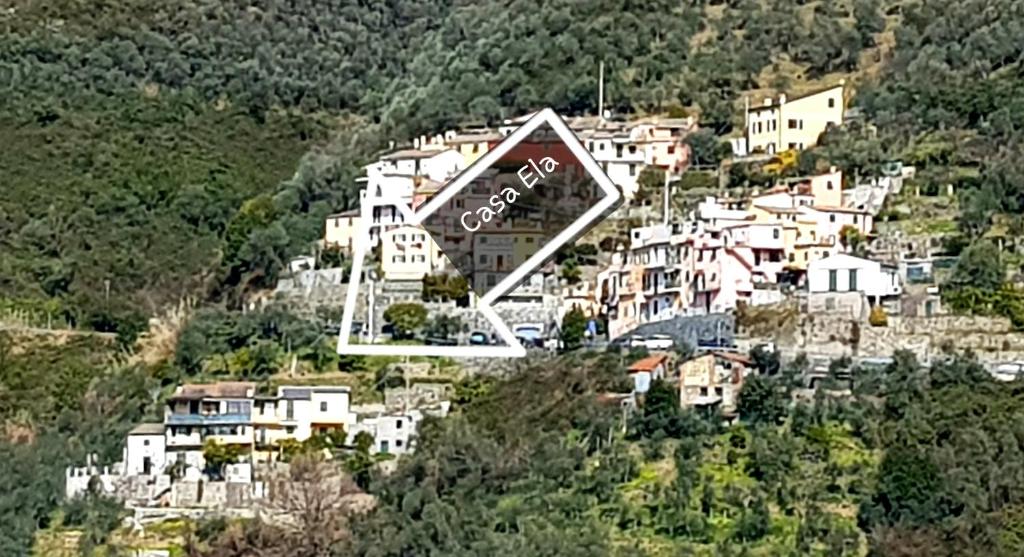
(667, 208)
(600, 91)
(369, 310)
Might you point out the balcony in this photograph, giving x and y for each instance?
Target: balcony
(207, 419)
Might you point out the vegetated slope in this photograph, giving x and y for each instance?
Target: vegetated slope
(58, 403)
(537, 465)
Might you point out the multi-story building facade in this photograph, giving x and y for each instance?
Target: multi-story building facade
(730, 251)
(340, 230)
(713, 381)
(409, 253)
(793, 123)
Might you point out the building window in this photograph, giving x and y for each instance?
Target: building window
(831, 218)
(828, 185)
(831, 103)
(398, 424)
(832, 280)
(289, 430)
(775, 233)
(632, 170)
(632, 149)
(590, 146)
(323, 406)
(145, 442)
(792, 258)
(853, 280)
(791, 124)
(398, 443)
(483, 259)
(792, 145)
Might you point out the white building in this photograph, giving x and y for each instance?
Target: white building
(145, 450)
(409, 253)
(846, 273)
(436, 164)
(831, 221)
(393, 428)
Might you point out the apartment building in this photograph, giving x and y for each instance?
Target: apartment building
(793, 123)
(297, 412)
(218, 412)
(408, 253)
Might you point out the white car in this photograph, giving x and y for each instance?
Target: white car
(659, 342)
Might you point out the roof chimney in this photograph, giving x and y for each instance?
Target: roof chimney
(782, 98)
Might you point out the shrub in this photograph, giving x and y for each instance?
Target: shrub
(878, 317)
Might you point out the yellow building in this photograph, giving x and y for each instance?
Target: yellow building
(472, 146)
(778, 125)
(340, 230)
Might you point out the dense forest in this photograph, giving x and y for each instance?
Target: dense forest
(186, 149)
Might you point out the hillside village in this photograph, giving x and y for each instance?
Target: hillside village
(699, 289)
(808, 238)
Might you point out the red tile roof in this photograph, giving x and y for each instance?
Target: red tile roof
(649, 363)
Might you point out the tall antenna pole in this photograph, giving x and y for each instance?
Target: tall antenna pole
(600, 91)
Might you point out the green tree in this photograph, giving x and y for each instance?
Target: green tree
(443, 326)
(762, 401)
(406, 319)
(650, 184)
(217, 456)
(574, 326)
(571, 271)
(706, 148)
(980, 266)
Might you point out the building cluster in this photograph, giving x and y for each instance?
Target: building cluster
(707, 382)
(804, 235)
(258, 426)
(744, 250)
(410, 176)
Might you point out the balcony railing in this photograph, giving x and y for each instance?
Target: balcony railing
(207, 419)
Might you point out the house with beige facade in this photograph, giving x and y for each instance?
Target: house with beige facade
(792, 123)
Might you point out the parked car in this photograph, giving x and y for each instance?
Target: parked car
(659, 342)
(479, 338)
